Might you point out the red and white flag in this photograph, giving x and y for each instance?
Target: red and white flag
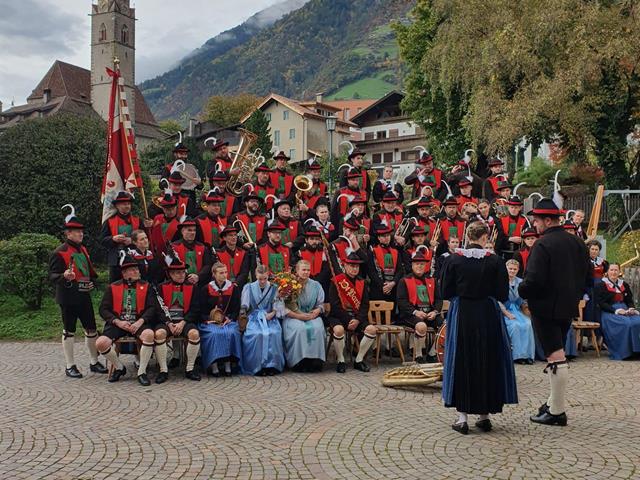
(121, 170)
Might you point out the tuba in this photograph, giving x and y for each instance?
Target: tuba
(244, 162)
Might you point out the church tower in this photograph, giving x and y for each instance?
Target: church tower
(112, 35)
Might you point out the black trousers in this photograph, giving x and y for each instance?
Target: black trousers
(552, 333)
(82, 311)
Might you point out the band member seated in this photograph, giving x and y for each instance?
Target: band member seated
(512, 226)
(322, 216)
(219, 333)
(72, 273)
(349, 301)
(386, 184)
(262, 348)
(620, 320)
(128, 309)
(292, 235)
(194, 254)
(529, 237)
(312, 198)
(211, 222)
(356, 166)
(272, 253)
(418, 238)
(465, 197)
(151, 269)
(389, 213)
(251, 217)
(384, 266)
(302, 329)
(281, 178)
(425, 175)
(262, 186)
(237, 260)
(221, 160)
(115, 234)
(185, 201)
(523, 343)
(180, 316)
(313, 252)
(165, 224)
(478, 369)
(450, 225)
(230, 204)
(419, 305)
(490, 184)
(345, 195)
(441, 260)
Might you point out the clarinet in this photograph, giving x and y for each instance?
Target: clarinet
(128, 308)
(163, 306)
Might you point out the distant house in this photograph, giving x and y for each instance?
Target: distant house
(349, 109)
(299, 127)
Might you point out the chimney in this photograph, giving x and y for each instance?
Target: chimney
(0, 106)
(319, 97)
(192, 125)
(46, 95)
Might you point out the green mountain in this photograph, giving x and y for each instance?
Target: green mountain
(344, 48)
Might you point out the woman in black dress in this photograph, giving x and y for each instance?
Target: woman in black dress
(478, 372)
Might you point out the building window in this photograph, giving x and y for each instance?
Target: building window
(292, 133)
(124, 35)
(381, 134)
(408, 156)
(268, 115)
(285, 115)
(102, 36)
(388, 157)
(276, 137)
(368, 136)
(393, 133)
(376, 158)
(292, 154)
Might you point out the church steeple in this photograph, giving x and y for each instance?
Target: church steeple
(112, 35)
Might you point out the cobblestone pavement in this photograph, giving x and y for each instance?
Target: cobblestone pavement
(309, 426)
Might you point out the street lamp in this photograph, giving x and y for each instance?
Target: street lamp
(331, 126)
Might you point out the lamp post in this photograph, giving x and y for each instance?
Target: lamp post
(331, 126)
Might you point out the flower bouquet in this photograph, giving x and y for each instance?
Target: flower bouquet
(289, 289)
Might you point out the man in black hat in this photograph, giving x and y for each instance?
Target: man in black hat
(263, 187)
(348, 241)
(115, 234)
(558, 271)
(281, 178)
(292, 235)
(238, 260)
(180, 309)
(272, 253)
(128, 308)
(390, 214)
(72, 273)
(211, 222)
(386, 184)
(230, 203)
(165, 225)
(186, 202)
(384, 267)
(512, 226)
(317, 194)
(221, 161)
(425, 175)
(345, 195)
(451, 225)
(349, 301)
(313, 252)
(194, 254)
(252, 217)
(490, 184)
(356, 165)
(180, 152)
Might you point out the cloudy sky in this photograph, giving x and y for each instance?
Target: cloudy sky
(34, 33)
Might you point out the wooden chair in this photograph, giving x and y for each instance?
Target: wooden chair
(431, 332)
(383, 326)
(581, 327)
(118, 344)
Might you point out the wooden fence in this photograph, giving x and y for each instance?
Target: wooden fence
(585, 202)
(632, 277)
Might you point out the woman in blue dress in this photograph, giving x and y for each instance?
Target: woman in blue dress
(478, 375)
(262, 350)
(620, 321)
(303, 330)
(219, 334)
(518, 324)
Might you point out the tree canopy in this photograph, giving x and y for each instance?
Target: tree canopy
(259, 124)
(228, 110)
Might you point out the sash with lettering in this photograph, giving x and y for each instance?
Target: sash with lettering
(350, 295)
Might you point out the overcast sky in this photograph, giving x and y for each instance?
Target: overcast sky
(35, 33)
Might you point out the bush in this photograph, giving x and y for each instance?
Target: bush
(24, 267)
(539, 173)
(626, 250)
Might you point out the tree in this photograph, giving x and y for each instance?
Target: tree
(258, 124)
(228, 110)
(47, 163)
(170, 126)
(555, 70)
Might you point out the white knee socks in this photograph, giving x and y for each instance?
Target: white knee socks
(67, 348)
(192, 353)
(365, 345)
(112, 357)
(145, 355)
(338, 345)
(418, 344)
(558, 378)
(161, 356)
(90, 342)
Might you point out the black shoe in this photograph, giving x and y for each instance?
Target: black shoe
(174, 363)
(529, 361)
(543, 408)
(215, 374)
(262, 373)
(421, 359)
(226, 374)
(144, 380)
(272, 371)
(341, 367)
(117, 373)
(363, 367)
(432, 359)
(549, 419)
(72, 372)
(162, 377)
(193, 375)
(462, 428)
(98, 368)
(484, 425)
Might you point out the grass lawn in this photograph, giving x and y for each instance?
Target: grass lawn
(371, 87)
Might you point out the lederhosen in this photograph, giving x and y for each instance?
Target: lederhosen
(351, 304)
(421, 296)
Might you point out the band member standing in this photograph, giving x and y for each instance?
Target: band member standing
(281, 179)
(165, 224)
(356, 166)
(465, 197)
(272, 253)
(230, 204)
(211, 222)
(313, 252)
(180, 318)
(324, 224)
(389, 213)
(385, 266)
(348, 240)
(419, 304)
(557, 274)
(387, 184)
(529, 237)
(292, 235)
(478, 373)
(490, 184)
(72, 273)
(251, 217)
(115, 234)
(349, 301)
(345, 195)
(418, 238)
(128, 309)
(263, 188)
(196, 255)
(221, 160)
(450, 225)
(186, 202)
(151, 270)
(512, 226)
(425, 175)
(237, 259)
(317, 194)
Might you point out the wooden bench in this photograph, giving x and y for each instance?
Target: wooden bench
(581, 328)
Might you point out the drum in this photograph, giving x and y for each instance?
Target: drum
(190, 173)
(440, 339)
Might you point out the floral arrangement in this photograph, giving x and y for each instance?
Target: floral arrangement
(289, 287)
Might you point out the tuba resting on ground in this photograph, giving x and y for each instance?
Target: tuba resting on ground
(244, 163)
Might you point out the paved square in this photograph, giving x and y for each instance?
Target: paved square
(309, 426)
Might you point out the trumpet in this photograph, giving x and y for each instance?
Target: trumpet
(403, 229)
